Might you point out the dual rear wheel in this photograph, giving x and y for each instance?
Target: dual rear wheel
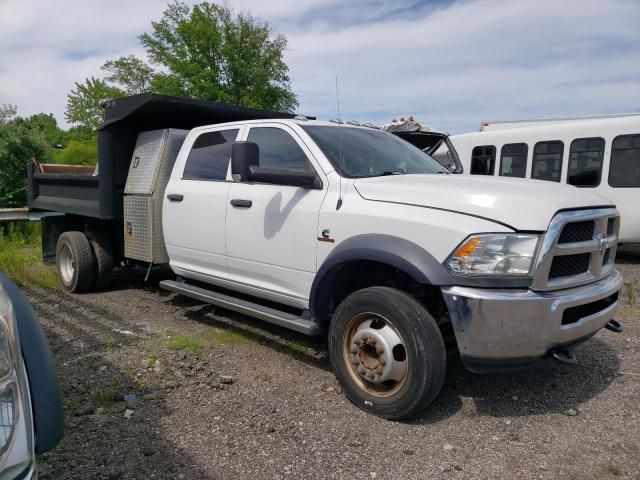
(83, 262)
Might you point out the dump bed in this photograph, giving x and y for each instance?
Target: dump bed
(98, 193)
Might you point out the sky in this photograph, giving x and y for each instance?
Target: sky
(450, 64)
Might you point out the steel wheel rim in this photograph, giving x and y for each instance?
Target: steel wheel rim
(66, 264)
(375, 354)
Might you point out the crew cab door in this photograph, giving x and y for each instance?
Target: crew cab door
(272, 229)
(195, 206)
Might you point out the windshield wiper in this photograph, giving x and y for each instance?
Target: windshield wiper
(390, 172)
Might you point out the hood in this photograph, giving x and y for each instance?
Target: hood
(518, 203)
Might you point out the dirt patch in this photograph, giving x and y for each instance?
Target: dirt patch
(160, 386)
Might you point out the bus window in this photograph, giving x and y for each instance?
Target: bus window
(483, 160)
(513, 160)
(547, 160)
(624, 170)
(585, 162)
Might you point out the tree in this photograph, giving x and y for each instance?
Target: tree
(17, 145)
(209, 52)
(206, 52)
(83, 103)
(46, 125)
(7, 112)
(130, 73)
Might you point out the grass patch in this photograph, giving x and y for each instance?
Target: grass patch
(108, 395)
(71, 405)
(186, 343)
(20, 255)
(630, 293)
(107, 340)
(231, 335)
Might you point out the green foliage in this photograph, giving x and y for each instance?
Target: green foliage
(83, 103)
(20, 255)
(18, 144)
(7, 112)
(206, 51)
(210, 52)
(130, 73)
(187, 343)
(77, 152)
(81, 134)
(46, 125)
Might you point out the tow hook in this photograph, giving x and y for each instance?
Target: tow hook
(564, 356)
(615, 326)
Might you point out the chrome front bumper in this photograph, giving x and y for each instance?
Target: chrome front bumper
(501, 329)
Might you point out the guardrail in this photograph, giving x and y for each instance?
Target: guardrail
(23, 215)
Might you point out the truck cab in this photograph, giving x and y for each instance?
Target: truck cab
(352, 232)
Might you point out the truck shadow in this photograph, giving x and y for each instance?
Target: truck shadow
(629, 256)
(544, 388)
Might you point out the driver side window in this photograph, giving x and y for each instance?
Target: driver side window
(278, 149)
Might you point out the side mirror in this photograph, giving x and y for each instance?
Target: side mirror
(245, 164)
(244, 155)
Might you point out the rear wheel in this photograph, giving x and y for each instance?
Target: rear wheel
(75, 262)
(103, 260)
(387, 352)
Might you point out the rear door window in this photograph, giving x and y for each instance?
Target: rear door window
(513, 160)
(547, 160)
(585, 162)
(624, 170)
(483, 160)
(210, 155)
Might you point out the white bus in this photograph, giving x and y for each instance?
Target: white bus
(600, 153)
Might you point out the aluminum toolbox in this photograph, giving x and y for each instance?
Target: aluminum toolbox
(149, 172)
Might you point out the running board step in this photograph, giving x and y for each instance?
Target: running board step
(271, 315)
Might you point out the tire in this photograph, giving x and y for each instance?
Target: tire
(75, 262)
(103, 256)
(387, 352)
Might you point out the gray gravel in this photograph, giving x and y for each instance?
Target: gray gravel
(218, 395)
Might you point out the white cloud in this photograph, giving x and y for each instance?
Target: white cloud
(451, 66)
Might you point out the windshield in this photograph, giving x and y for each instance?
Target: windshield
(370, 153)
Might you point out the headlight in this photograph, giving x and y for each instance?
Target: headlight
(506, 254)
(16, 428)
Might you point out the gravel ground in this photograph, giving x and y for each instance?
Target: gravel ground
(160, 386)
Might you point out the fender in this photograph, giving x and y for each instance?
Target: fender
(38, 361)
(397, 252)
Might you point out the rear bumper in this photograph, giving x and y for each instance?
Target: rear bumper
(502, 329)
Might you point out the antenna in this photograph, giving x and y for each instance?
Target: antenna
(339, 204)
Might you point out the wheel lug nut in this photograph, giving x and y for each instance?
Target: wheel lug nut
(383, 362)
(373, 341)
(361, 370)
(380, 351)
(371, 375)
(354, 350)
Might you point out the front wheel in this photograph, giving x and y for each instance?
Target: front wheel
(387, 352)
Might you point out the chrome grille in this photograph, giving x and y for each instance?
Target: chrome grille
(569, 265)
(578, 248)
(577, 232)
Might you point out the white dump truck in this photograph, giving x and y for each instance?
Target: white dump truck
(342, 229)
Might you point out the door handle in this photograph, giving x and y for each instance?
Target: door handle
(236, 202)
(175, 197)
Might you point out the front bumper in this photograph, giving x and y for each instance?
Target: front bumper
(502, 329)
